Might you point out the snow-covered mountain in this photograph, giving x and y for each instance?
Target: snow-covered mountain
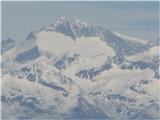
(75, 70)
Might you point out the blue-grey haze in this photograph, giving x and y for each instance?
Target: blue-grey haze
(137, 19)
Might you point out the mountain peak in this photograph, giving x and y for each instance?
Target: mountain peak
(70, 26)
(64, 18)
(70, 21)
(7, 44)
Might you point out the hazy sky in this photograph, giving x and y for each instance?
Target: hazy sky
(137, 19)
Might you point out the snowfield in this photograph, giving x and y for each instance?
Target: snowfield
(59, 43)
(148, 55)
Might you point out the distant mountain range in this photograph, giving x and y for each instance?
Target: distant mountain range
(75, 70)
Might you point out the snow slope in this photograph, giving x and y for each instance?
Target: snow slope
(59, 43)
(131, 39)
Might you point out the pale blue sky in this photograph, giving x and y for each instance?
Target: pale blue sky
(137, 19)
